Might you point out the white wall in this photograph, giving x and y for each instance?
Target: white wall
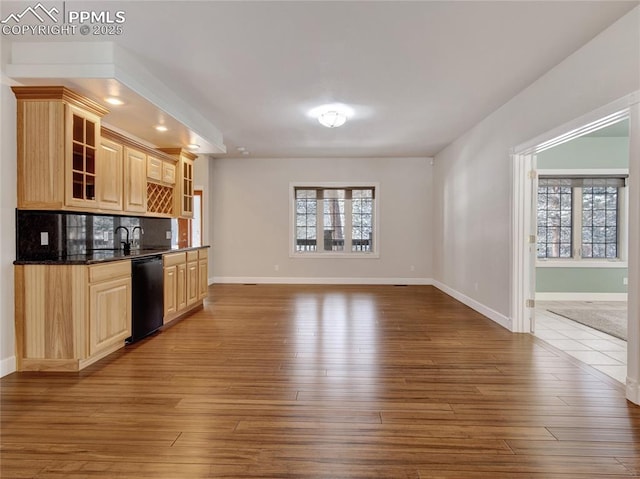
(250, 216)
(473, 176)
(8, 201)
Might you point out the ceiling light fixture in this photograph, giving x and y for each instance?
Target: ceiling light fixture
(112, 100)
(332, 115)
(161, 128)
(332, 119)
(193, 146)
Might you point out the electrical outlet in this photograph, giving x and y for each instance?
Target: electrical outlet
(625, 281)
(276, 267)
(168, 235)
(44, 238)
(475, 286)
(412, 268)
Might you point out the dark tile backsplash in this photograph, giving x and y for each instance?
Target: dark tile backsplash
(75, 233)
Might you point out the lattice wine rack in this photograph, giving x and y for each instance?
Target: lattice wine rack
(159, 199)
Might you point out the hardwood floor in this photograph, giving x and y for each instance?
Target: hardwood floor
(273, 381)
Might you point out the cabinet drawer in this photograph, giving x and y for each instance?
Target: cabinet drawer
(104, 272)
(174, 258)
(203, 253)
(192, 256)
(154, 168)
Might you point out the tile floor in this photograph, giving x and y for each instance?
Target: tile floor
(600, 350)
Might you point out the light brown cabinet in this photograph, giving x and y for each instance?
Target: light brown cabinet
(81, 166)
(183, 282)
(186, 178)
(183, 202)
(154, 169)
(203, 273)
(181, 287)
(58, 140)
(109, 175)
(168, 173)
(109, 307)
(67, 161)
(135, 180)
(174, 284)
(69, 316)
(161, 171)
(170, 285)
(161, 178)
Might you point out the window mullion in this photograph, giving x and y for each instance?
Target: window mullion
(576, 220)
(320, 222)
(348, 222)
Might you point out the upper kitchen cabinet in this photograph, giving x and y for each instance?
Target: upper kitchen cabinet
(184, 181)
(135, 180)
(110, 174)
(58, 144)
(161, 179)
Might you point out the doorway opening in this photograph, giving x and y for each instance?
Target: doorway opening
(557, 237)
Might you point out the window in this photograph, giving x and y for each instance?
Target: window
(579, 217)
(334, 219)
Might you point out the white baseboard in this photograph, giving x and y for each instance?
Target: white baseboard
(493, 315)
(7, 366)
(315, 280)
(581, 296)
(633, 391)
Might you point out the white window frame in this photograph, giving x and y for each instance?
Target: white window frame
(320, 253)
(577, 261)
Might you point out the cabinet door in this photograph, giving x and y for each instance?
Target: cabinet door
(203, 278)
(170, 291)
(169, 173)
(181, 290)
(109, 313)
(41, 154)
(187, 188)
(192, 283)
(135, 181)
(81, 146)
(109, 176)
(154, 168)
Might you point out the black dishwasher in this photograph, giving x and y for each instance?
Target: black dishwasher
(147, 296)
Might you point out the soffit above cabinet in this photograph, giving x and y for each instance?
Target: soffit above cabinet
(100, 70)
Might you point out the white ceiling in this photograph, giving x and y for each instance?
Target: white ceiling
(417, 74)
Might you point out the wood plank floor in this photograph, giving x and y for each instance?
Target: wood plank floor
(273, 381)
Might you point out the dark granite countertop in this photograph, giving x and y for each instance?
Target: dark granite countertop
(103, 256)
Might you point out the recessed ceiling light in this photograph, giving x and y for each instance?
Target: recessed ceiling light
(161, 128)
(112, 100)
(332, 115)
(241, 148)
(193, 146)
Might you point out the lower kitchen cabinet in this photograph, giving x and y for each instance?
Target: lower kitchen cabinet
(203, 273)
(109, 314)
(69, 316)
(183, 273)
(192, 278)
(170, 286)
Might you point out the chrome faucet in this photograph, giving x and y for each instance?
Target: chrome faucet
(126, 246)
